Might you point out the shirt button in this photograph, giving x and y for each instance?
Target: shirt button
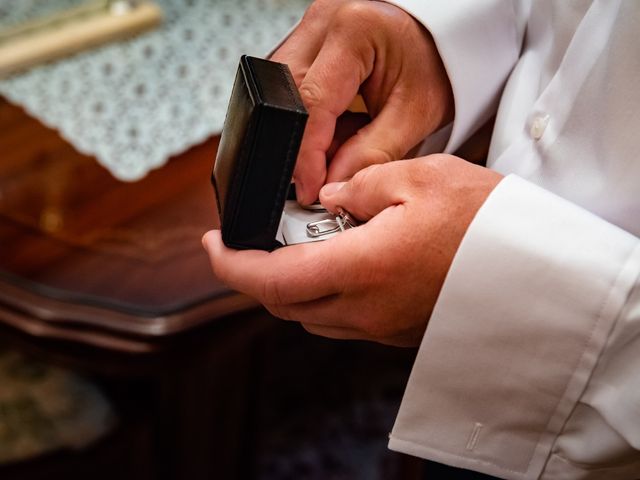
(538, 126)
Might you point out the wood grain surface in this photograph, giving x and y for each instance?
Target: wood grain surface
(79, 247)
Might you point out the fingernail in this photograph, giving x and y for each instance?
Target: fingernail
(332, 188)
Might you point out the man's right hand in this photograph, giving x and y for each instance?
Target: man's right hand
(345, 47)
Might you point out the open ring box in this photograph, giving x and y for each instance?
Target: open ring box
(257, 154)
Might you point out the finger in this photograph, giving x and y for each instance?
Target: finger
(369, 192)
(350, 311)
(391, 134)
(351, 317)
(330, 311)
(335, 316)
(298, 273)
(351, 334)
(304, 42)
(298, 53)
(327, 91)
(336, 332)
(311, 167)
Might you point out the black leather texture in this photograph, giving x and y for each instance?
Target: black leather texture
(257, 153)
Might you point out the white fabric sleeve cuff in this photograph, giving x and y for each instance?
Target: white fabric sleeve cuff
(479, 43)
(524, 314)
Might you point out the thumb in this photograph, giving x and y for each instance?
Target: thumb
(368, 193)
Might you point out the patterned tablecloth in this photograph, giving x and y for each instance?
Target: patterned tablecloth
(133, 104)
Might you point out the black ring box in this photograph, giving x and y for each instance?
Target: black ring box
(257, 153)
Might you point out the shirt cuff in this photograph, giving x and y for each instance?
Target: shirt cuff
(525, 311)
(479, 43)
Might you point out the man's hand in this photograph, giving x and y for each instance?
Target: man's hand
(345, 47)
(379, 281)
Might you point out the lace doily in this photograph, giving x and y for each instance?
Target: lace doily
(133, 104)
(14, 13)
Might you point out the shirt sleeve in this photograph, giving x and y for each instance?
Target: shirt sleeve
(479, 43)
(535, 318)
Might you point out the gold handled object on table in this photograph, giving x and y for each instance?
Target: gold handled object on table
(72, 30)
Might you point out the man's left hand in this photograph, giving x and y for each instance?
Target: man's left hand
(379, 281)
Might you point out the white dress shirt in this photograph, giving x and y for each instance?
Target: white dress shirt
(530, 365)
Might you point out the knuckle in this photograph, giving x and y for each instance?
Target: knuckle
(322, 11)
(355, 12)
(364, 177)
(311, 93)
(440, 166)
(271, 290)
(419, 175)
(383, 154)
(315, 12)
(278, 311)
(351, 10)
(318, 8)
(427, 171)
(439, 161)
(371, 17)
(310, 328)
(376, 328)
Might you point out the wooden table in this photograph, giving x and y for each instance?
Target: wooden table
(110, 278)
(73, 234)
